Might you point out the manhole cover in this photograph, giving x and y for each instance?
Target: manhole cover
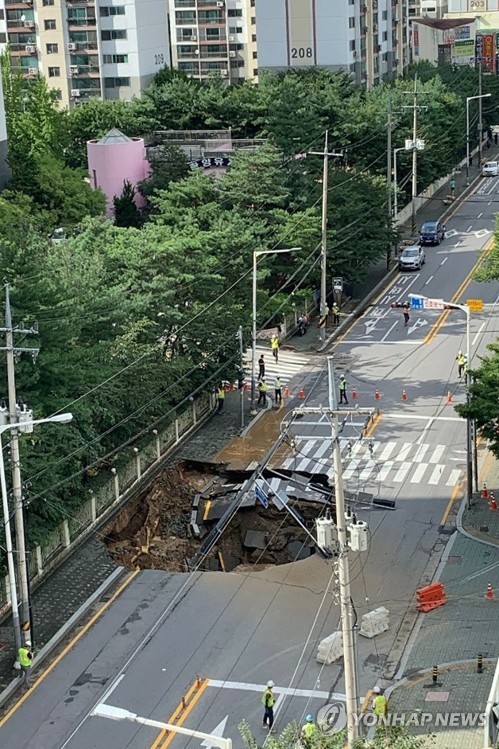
(437, 696)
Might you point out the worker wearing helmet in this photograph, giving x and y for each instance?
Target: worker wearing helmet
(462, 363)
(379, 704)
(342, 386)
(268, 701)
(308, 731)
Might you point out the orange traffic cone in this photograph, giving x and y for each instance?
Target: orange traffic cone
(286, 392)
(354, 394)
(485, 492)
(301, 394)
(377, 395)
(449, 397)
(490, 593)
(492, 503)
(404, 395)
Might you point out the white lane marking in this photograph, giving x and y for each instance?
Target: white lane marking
(385, 470)
(480, 215)
(478, 574)
(247, 687)
(436, 475)
(387, 451)
(388, 332)
(404, 452)
(437, 453)
(489, 203)
(457, 244)
(418, 458)
(422, 418)
(402, 472)
(111, 689)
(475, 339)
(422, 436)
(428, 281)
(454, 477)
(419, 473)
(364, 341)
(444, 261)
(218, 731)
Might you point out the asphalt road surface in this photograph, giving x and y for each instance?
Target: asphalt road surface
(216, 639)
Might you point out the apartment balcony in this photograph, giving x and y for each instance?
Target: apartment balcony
(18, 4)
(221, 39)
(20, 27)
(81, 24)
(84, 71)
(211, 4)
(185, 4)
(207, 21)
(80, 3)
(86, 46)
(24, 50)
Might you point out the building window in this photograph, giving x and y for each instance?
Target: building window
(255, 55)
(111, 34)
(384, 15)
(2, 14)
(114, 59)
(352, 45)
(233, 12)
(253, 37)
(3, 38)
(255, 71)
(47, 2)
(50, 24)
(116, 82)
(253, 20)
(52, 49)
(54, 72)
(112, 10)
(351, 22)
(385, 36)
(235, 30)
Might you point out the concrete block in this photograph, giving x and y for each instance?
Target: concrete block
(255, 540)
(375, 622)
(330, 648)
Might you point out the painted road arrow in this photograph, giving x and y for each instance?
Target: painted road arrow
(218, 731)
(418, 324)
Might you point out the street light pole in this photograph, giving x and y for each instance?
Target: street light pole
(468, 99)
(256, 255)
(395, 179)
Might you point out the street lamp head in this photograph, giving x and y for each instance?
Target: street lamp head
(61, 418)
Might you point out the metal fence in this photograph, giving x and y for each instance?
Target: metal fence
(60, 542)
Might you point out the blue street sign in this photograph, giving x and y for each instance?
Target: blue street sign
(261, 496)
(417, 302)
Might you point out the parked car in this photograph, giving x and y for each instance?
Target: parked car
(432, 232)
(490, 169)
(412, 258)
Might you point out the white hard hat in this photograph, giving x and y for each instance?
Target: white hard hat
(377, 690)
(270, 684)
(342, 377)
(459, 353)
(28, 643)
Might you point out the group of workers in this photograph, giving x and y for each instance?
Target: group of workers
(379, 707)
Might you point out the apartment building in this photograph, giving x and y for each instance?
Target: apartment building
(106, 48)
(427, 8)
(213, 36)
(368, 38)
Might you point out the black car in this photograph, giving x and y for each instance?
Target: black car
(432, 232)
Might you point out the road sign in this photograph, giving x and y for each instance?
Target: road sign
(475, 305)
(261, 496)
(433, 303)
(417, 302)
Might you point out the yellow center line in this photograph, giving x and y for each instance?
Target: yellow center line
(177, 712)
(207, 510)
(195, 698)
(68, 647)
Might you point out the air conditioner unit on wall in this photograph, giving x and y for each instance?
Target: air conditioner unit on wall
(71, 46)
(33, 71)
(29, 24)
(220, 4)
(75, 92)
(74, 69)
(232, 53)
(224, 71)
(232, 38)
(30, 49)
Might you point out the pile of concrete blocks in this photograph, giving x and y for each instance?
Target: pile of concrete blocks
(375, 622)
(330, 648)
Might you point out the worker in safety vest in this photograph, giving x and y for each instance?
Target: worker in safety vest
(336, 314)
(343, 390)
(262, 389)
(308, 731)
(268, 701)
(462, 363)
(274, 344)
(25, 657)
(220, 398)
(379, 704)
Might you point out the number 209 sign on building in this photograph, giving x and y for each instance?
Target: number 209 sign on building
(301, 32)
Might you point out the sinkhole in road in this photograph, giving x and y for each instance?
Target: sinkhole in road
(155, 530)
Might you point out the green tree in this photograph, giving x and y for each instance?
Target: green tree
(126, 212)
(484, 403)
(169, 164)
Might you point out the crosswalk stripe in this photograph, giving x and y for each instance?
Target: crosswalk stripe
(454, 477)
(422, 449)
(352, 467)
(385, 470)
(419, 473)
(387, 451)
(436, 475)
(402, 455)
(402, 472)
(367, 470)
(437, 453)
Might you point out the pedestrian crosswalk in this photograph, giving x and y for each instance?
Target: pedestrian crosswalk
(367, 461)
(289, 363)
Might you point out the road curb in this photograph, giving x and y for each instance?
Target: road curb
(62, 632)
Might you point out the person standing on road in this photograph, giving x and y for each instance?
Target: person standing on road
(261, 368)
(452, 185)
(308, 732)
(405, 312)
(461, 363)
(262, 389)
(268, 701)
(25, 657)
(336, 314)
(343, 390)
(274, 343)
(277, 390)
(379, 705)
(220, 398)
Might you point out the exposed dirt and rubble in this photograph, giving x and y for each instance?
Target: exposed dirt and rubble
(156, 530)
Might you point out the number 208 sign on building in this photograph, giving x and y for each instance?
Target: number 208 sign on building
(301, 32)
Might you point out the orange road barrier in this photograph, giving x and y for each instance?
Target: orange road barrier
(354, 394)
(485, 492)
(377, 395)
(286, 392)
(490, 593)
(301, 394)
(492, 503)
(430, 597)
(449, 396)
(404, 395)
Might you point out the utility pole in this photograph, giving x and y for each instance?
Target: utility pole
(325, 174)
(22, 567)
(347, 615)
(414, 153)
(389, 178)
(240, 373)
(480, 122)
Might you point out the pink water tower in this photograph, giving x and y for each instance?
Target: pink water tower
(113, 160)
